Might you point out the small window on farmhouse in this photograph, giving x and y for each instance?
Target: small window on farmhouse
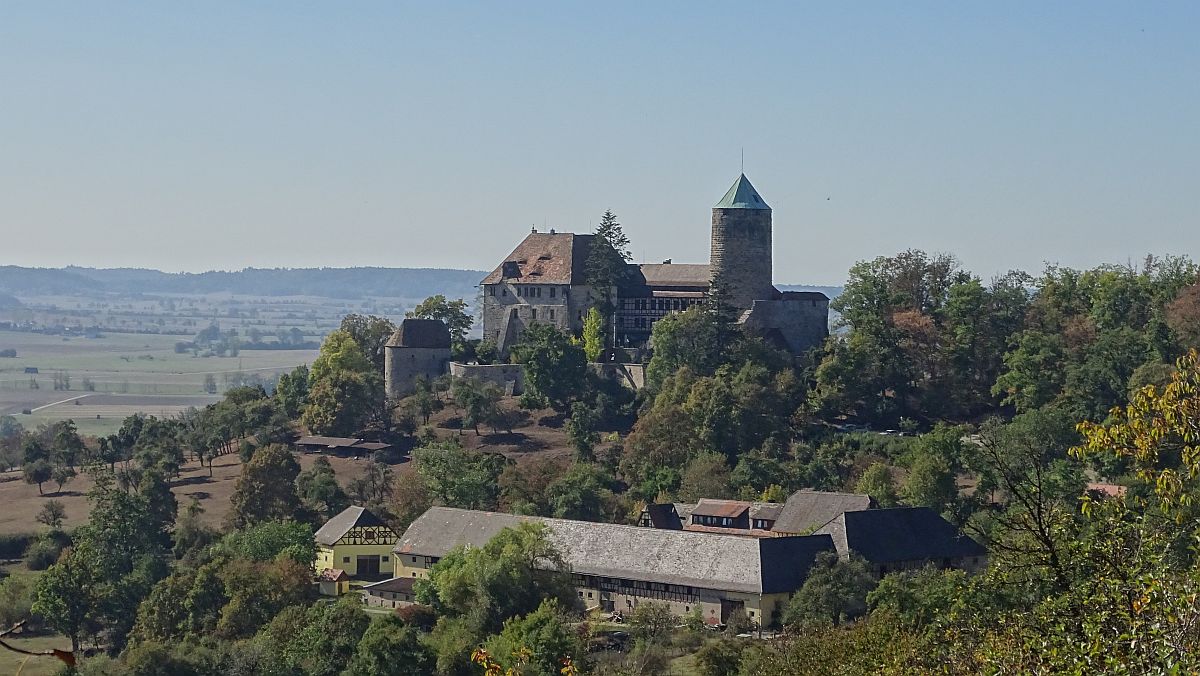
(552, 290)
(345, 559)
(533, 313)
(551, 314)
(491, 290)
(414, 559)
(503, 292)
(383, 559)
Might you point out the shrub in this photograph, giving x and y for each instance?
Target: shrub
(417, 615)
(42, 554)
(13, 545)
(16, 599)
(720, 658)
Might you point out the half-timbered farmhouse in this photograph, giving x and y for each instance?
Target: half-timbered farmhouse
(357, 542)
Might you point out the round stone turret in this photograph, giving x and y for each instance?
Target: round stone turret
(740, 255)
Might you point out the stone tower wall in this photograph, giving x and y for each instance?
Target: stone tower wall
(402, 365)
(741, 254)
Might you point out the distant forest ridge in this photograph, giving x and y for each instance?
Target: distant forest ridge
(348, 283)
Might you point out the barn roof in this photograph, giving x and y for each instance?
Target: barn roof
(725, 562)
(899, 534)
(351, 517)
(806, 510)
(398, 585)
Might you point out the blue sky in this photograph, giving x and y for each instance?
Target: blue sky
(193, 136)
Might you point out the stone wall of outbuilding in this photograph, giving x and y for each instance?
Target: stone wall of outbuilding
(402, 366)
(509, 377)
(802, 321)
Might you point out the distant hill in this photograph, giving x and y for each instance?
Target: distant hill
(347, 283)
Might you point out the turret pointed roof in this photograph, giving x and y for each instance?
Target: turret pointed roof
(742, 195)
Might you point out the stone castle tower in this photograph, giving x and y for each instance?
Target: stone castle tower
(740, 254)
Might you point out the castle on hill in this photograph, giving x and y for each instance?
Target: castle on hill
(544, 280)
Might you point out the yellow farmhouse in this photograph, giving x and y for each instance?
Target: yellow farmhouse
(357, 542)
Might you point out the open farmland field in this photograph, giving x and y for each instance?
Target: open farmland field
(22, 501)
(25, 665)
(183, 315)
(117, 374)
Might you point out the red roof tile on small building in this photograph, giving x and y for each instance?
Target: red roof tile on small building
(333, 575)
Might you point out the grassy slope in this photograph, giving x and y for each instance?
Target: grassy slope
(22, 502)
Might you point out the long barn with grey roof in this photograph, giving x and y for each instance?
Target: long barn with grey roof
(616, 567)
(904, 538)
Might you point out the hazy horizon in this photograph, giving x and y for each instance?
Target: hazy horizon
(213, 137)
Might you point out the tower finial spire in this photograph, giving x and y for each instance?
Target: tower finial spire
(743, 167)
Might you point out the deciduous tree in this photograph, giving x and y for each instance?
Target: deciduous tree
(452, 312)
(266, 489)
(554, 367)
(834, 592)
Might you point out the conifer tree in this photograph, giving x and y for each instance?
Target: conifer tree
(606, 263)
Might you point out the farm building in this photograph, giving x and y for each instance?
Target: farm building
(903, 538)
(804, 512)
(357, 542)
(333, 582)
(392, 593)
(616, 567)
(340, 445)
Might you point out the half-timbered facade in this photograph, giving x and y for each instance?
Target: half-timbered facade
(357, 542)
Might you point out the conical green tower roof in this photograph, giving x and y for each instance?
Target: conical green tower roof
(742, 195)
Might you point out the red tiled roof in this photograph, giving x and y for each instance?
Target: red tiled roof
(545, 258)
(721, 508)
(333, 575)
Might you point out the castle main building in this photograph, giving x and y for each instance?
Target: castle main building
(544, 280)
